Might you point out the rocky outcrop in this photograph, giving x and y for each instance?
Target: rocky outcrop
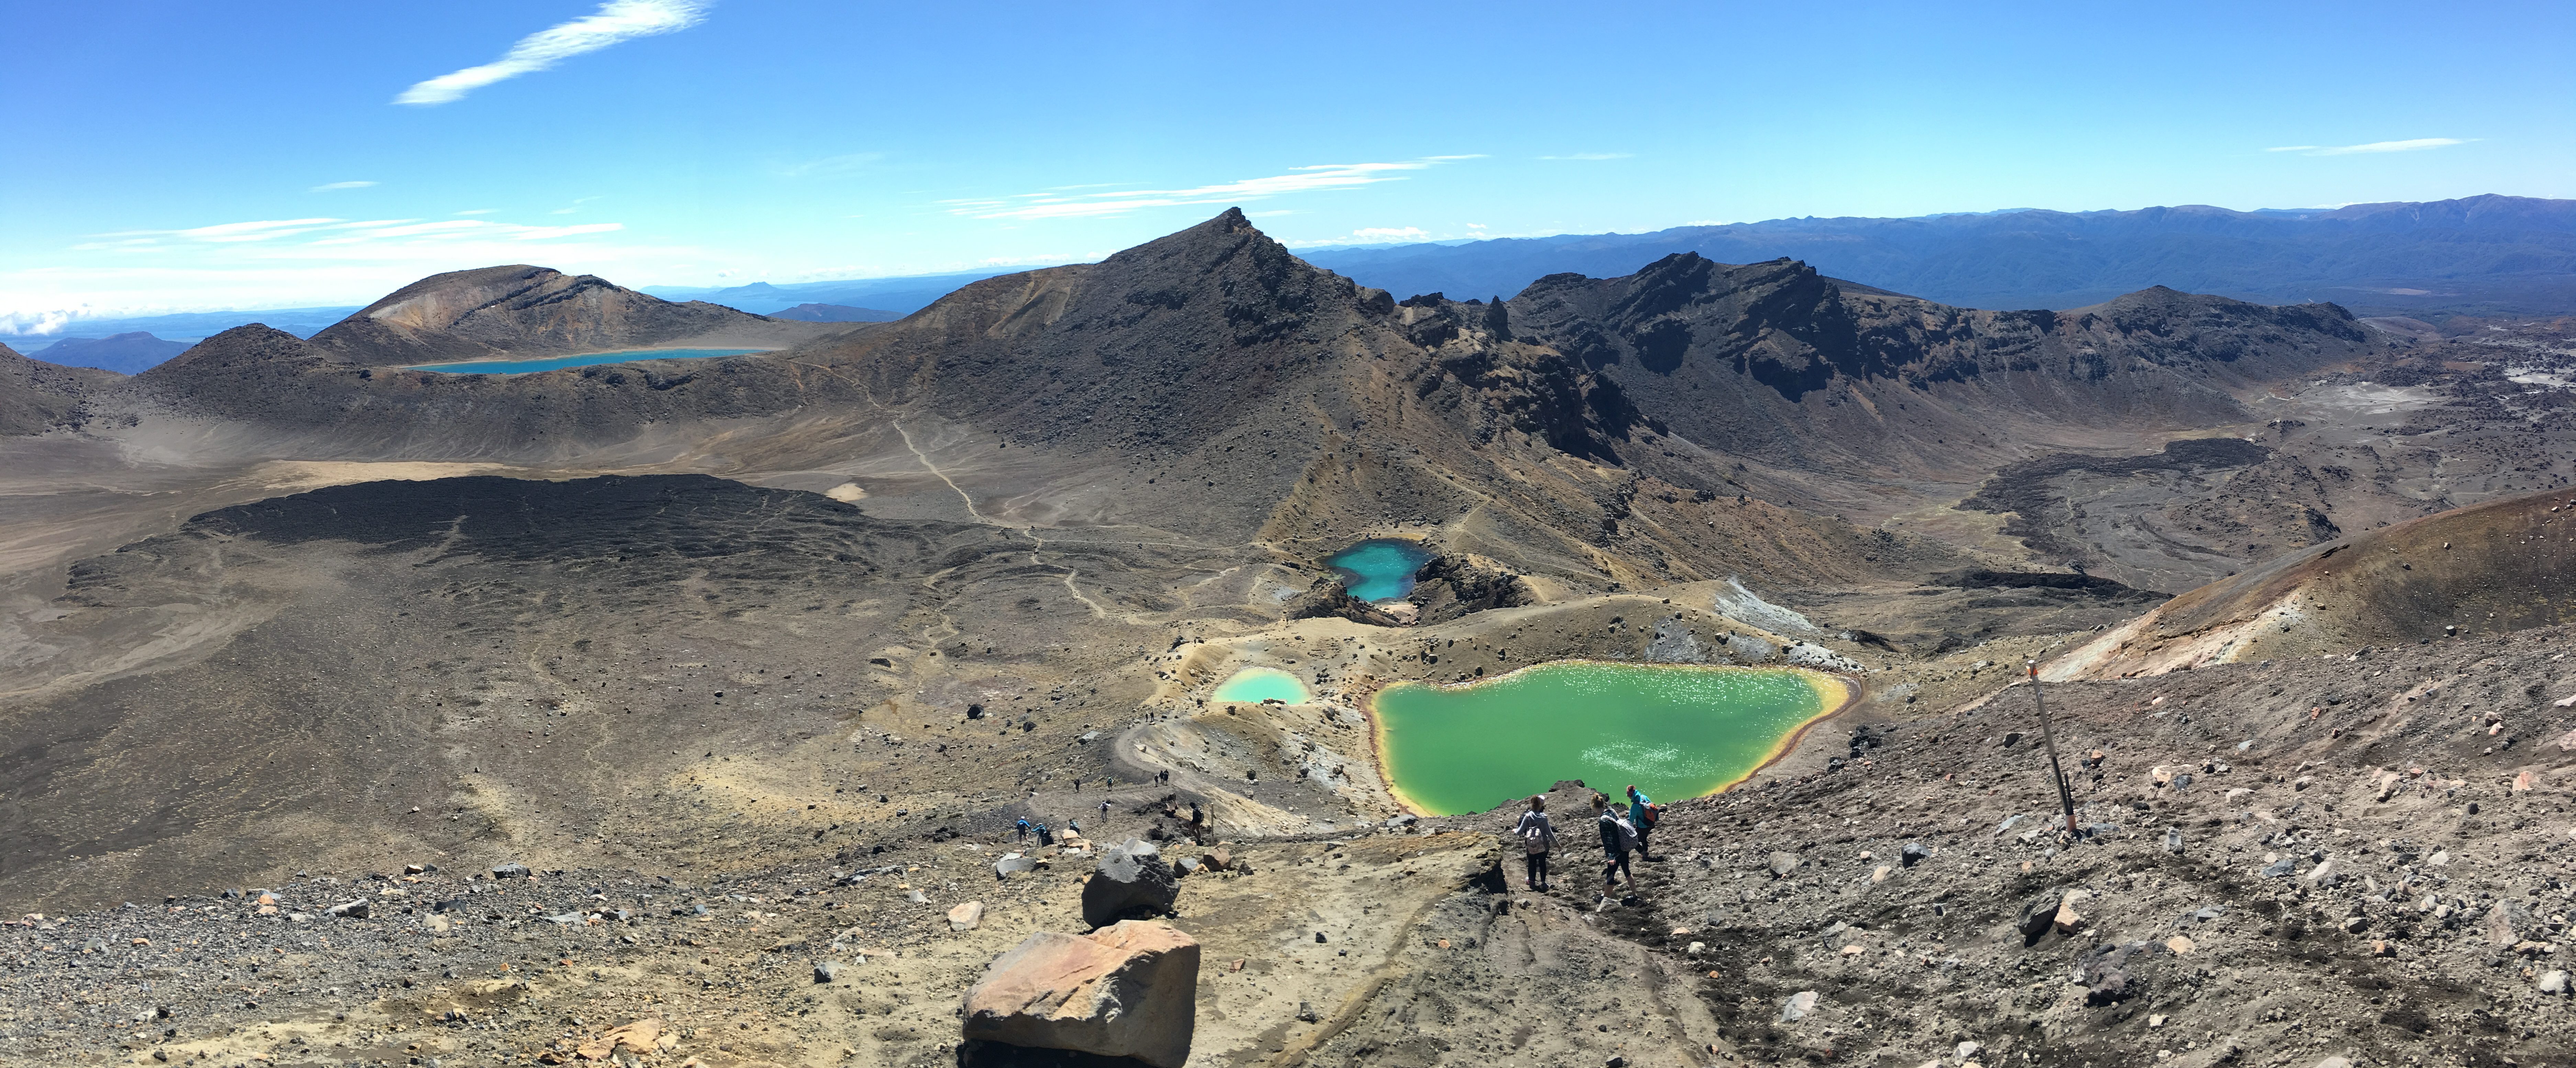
(1330, 598)
(1776, 361)
(1130, 990)
(1453, 585)
(1131, 879)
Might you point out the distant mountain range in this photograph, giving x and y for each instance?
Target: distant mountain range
(898, 296)
(835, 313)
(2482, 255)
(124, 353)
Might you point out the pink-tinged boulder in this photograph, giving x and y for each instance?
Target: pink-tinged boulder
(1127, 990)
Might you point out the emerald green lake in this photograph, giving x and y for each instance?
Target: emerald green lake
(1676, 731)
(1255, 685)
(1380, 569)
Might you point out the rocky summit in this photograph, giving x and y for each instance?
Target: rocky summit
(854, 698)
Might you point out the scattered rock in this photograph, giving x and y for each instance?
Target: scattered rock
(512, 871)
(2553, 981)
(1783, 863)
(2039, 912)
(2504, 921)
(827, 971)
(2067, 920)
(2109, 972)
(1798, 1006)
(1128, 990)
(1913, 854)
(641, 1037)
(966, 917)
(354, 910)
(1129, 879)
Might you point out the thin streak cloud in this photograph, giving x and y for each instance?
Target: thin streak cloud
(1057, 205)
(2416, 145)
(1593, 155)
(615, 21)
(329, 186)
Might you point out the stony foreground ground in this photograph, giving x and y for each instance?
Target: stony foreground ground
(2361, 856)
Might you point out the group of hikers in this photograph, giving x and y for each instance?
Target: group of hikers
(1625, 829)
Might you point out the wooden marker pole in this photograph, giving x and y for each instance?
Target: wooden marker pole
(2048, 736)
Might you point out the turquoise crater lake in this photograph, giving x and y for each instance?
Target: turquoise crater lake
(587, 359)
(1675, 731)
(1380, 569)
(1255, 685)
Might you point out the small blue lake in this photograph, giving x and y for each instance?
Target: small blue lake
(1380, 569)
(521, 367)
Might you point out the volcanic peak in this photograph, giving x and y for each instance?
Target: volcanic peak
(523, 310)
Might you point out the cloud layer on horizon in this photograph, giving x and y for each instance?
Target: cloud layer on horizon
(615, 21)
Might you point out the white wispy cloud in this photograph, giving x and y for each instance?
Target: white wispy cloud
(2415, 145)
(1593, 155)
(832, 166)
(329, 186)
(615, 21)
(1055, 204)
(336, 232)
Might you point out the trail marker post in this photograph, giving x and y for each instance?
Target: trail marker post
(2048, 737)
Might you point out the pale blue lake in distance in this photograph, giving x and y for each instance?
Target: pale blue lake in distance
(521, 367)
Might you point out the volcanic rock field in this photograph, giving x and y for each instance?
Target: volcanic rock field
(686, 712)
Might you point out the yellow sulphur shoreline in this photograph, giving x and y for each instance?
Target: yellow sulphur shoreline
(1835, 694)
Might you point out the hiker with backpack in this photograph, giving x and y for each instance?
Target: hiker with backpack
(1644, 814)
(1538, 838)
(1618, 838)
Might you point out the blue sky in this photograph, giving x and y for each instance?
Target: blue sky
(190, 156)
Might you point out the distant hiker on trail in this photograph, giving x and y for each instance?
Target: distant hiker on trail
(1024, 828)
(1104, 810)
(1538, 837)
(1617, 839)
(1644, 815)
(1045, 836)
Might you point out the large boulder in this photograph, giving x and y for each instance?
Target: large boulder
(1127, 990)
(1131, 879)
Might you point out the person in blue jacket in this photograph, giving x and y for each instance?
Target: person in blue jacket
(1641, 815)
